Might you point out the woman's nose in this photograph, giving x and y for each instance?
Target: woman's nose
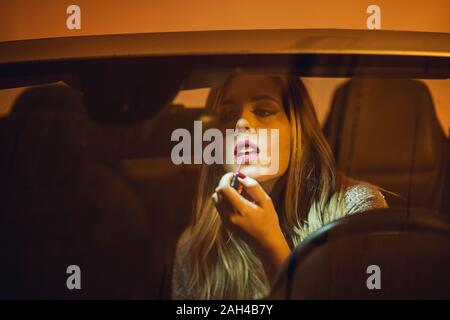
(243, 125)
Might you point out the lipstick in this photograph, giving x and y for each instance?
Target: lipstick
(236, 174)
(244, 151)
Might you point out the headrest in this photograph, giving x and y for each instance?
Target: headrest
(386, 131)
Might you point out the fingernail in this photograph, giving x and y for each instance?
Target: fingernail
(241, 175)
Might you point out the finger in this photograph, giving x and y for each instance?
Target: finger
(240, 187)
(215, 198)
(239, 203)
(224, 207)
(254, 190)
(224, 211)
(220, 206)
(225, 181)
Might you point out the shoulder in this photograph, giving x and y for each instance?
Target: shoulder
(184, 237)
(180, 270)
(361, 196)
(183, 244)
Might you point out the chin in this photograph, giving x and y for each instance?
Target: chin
(257, 173)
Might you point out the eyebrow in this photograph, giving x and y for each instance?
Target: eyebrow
(264, 97)
(260, 97)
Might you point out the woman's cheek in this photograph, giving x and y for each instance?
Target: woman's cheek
(228, 156)
(284, 152)
(285, 155)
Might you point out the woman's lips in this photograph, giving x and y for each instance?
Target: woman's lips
(246, 150)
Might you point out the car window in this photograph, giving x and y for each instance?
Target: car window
(106, 186)
(321, 91)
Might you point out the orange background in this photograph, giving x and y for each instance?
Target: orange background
(28, 19)
(25, 19)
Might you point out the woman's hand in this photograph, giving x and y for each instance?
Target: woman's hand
(254, 220)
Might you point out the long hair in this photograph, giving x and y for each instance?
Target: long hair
(222, 265)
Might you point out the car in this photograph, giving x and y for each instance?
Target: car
(86, 177)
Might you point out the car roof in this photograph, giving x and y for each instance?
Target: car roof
(232, 42)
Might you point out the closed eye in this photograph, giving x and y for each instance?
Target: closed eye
(266, 108)
(264, 112)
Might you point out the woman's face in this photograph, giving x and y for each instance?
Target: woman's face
(251, 103)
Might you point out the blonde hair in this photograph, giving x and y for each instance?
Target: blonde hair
(223, 266)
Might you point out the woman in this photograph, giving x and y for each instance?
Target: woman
(239, 238)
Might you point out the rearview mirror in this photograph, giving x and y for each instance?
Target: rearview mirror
(123, 91)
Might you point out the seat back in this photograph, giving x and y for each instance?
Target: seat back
(59, 207)
(385, 131)
(380, 254)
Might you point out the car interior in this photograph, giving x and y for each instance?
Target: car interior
(384, 131)
(102, 194)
